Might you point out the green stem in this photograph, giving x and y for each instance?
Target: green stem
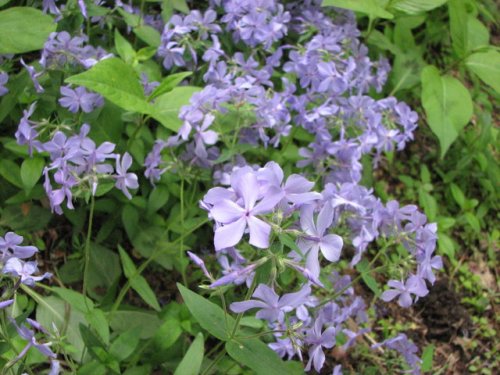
(87, 249)
(240, 315)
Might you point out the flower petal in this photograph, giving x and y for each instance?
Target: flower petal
(259, 232)
(230, 234)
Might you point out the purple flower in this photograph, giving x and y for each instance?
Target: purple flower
(414, 285)
(406, 348)
(200, 263)
(318, 339)
(34, 77)
(235, 276)
(272, 307)
(51, 7)
(7, 303)
(24, 270)
(29, 335)
(79, 98)
(9, 247)
(172, 55)
(315, 239)
(125, 180)
(83, 8)
(26, 133)
(237, 218)
(4, 77)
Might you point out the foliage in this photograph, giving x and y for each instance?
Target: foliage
(307, 131)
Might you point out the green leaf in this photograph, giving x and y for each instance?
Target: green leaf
(141, 286)
(473, 222)
(67, 320)
(447, 104)
(458, 195)
(167, 106)
(169, 83)
(416, 6)
(180, 5)
(123, 320)
(97, 320)
(428, 203)
(191, 363)
(487, 67)
(117, 82)
(11, 172)
(31, 171)
(368, 279)
(257, 356)
(104, 269)
(148, 35)
(137, 282)
(458, 26)
(370, 7)
(24, 29)
(157, 199)
(167, 335)
(478, 34)
(427, 357)
(210, 316)
(75, 299)
(125, 344)
(124, 48)
(128, 265)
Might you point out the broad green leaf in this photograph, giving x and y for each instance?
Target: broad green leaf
(141, 286)
(67, 320)
(125, 344)
(124, 48)
(104, 270)
(416, 6)
(191, 363)
(75, 299)
(124, 320)
(180, 5)
(210, 316)
(97, 320)
(137, 282)
(169, 83)
(24, 29)
(478, 34)
(487, 67)
(167, 335)
(139, 370)
(447, 104)
(117, 82)
(148, 35)
(31, 171)
(167, 106)
(256, 355)
(157, 199)
(370, 7)
(11, 172)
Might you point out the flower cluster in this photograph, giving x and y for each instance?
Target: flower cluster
(77, 163)
(270, 208)
(14, 265)
(324, 91)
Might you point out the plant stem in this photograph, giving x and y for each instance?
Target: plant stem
(214, 362)
(181, 245)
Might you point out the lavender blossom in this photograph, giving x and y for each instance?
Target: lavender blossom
(4, 77)
(272, 307)
(79, 98)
